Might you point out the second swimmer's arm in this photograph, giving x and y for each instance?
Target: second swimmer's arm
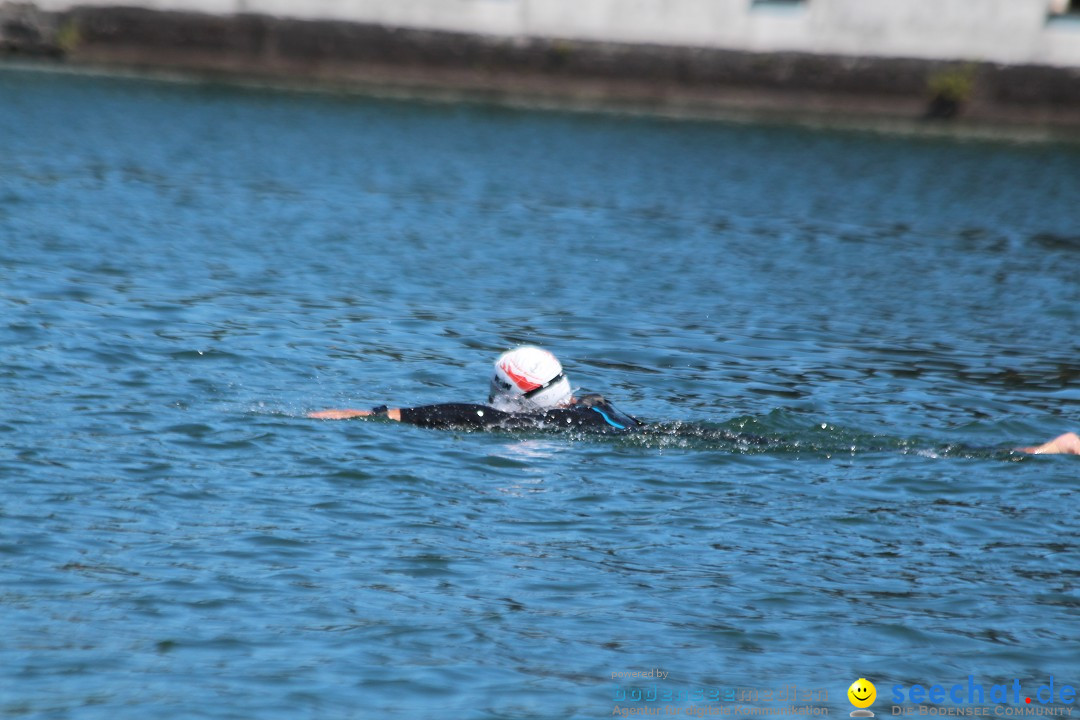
(1067, 444)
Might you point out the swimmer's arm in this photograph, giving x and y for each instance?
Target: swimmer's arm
(453, 415)
(444, 415)
(392, 413)
(1067, 444)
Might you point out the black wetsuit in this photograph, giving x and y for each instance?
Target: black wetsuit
(594, 414)
(589, 412)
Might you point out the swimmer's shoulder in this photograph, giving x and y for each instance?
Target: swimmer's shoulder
(599, 412)
(589, 400)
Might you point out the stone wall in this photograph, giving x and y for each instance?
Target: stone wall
(1000, 31)
(651, 76)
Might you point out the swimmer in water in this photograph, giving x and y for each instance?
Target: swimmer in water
(529, 390)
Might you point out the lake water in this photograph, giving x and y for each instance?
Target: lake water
(186, 270)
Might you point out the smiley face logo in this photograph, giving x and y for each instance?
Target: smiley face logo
(862, 693)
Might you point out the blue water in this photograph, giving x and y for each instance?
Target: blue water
(186, 270)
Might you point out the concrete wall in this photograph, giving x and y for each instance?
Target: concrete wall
(1002, 31)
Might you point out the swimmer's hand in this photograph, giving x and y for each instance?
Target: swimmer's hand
(1067, 444)
(338, 414)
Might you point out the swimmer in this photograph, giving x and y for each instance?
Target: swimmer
(529, 390)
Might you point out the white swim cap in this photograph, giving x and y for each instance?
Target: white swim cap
(528, 379)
